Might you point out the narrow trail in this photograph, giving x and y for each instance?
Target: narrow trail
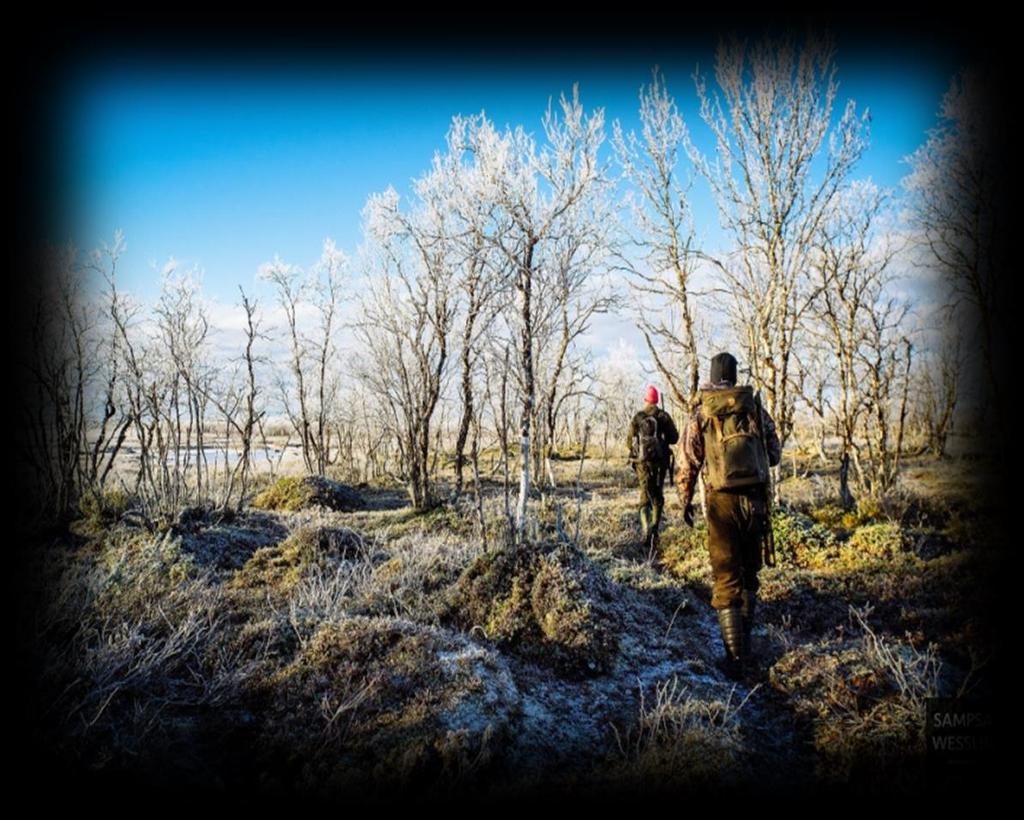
(568, 728)
(665, 686)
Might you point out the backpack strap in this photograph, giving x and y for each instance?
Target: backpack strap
(716, 422)
(738, 435)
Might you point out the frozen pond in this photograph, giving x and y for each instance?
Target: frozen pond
(215, 455)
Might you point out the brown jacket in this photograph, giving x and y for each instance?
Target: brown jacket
(691, 450)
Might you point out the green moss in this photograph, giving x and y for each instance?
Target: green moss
(559, 602)
(145, 578)
(289, 493)
(812, 545)
(293, 493)
(109, 503)
(684, 550)
(570, 617)
(547, 603)
(883, 542)
(442, 518)
(800, 540)
(510, 615)
(867, 511)
(99, 509)
(282, 566)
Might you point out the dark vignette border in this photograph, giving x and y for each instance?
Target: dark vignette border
(47, 57)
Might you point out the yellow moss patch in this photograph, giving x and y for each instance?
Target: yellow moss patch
(836, 517)
(684, 551)
(801, 541)
(282, 566)
(288, 493)
(389, 569)
(547, 603)
(294, 493)
(99, 510)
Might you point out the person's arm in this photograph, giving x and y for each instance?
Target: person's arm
(671, 432)
(771, 439)
(691, 459)
(631, 440)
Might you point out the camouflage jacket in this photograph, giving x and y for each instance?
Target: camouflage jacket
(691, 460)
(668, 427)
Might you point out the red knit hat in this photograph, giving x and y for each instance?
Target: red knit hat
(651, 396)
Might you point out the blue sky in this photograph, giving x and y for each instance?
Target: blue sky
(225, 165)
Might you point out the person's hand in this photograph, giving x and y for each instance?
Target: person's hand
(688, 515)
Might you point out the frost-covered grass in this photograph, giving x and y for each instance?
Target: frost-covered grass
(338, 650)
(865, 698)
(680, 739)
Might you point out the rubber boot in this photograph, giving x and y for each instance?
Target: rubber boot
(730, 621)
(644, 524)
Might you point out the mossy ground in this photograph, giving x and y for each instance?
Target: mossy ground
(306, 650)
(294, 493)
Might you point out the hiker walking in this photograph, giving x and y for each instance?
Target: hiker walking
(730, 440)
(651, 435)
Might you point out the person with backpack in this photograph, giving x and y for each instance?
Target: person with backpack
(730, 441)
(651, 436)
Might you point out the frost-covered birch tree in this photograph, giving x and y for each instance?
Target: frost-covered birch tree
(531, 193)
(854, 316)
(407, 313)
(779, 165)
(666, 236)
(956, 187)
(310, 302)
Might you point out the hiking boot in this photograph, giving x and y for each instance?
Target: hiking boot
(730, 621)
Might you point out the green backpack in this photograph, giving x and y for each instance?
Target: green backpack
(650, 442)
(733, 450)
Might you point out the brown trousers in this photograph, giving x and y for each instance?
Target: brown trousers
(652, 494)
(736, 525)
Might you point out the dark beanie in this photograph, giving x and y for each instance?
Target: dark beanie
(723, 368)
